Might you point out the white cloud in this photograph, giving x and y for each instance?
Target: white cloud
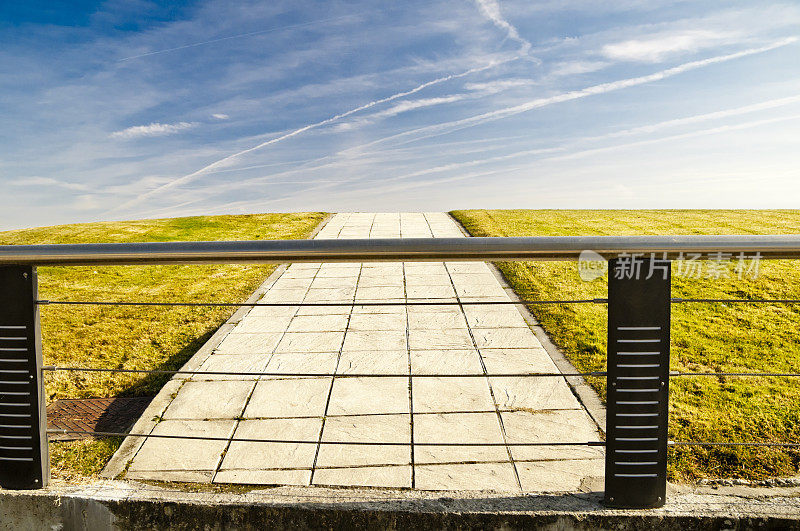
(717, 115)
(411, 105)
(491, 10)
(228, 159)
(153, 129)
(220, 116)
(660, 46)
(238, 36)
(680, 136)
(570, 68)
(47, 182)
(593, 90)
(493, 87)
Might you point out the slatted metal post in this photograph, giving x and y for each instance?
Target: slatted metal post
(638, 382)
(24, 458)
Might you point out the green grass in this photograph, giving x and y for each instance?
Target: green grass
(139, 337)
(714, 337)
(76, 460)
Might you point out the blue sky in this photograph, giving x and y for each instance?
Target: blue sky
(128, 108)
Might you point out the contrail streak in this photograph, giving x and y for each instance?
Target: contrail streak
(646, 129)
(237, 36)
(205, 169)
(578, 94)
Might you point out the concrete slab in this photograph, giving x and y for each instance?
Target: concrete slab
(246, 343)
(373, 362)
(255, 363)
(375, 340)
(529, 394)
(360, 322)
(517, 360)
(209, 400)
(498, 477)
(354, 337)
(504, 338)
(303, 362)
(372, 466)
(196, 457)
(366, 476)
(434, 395)
(441, 318)
(295, 397)
(317, 323)
(310, 342)
(566, 425)
(278, 463)
(559, 475)
(444, 339)
(445, 362)
(369, 396)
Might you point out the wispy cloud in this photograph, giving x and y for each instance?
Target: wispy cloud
(237, 36)
(225, 160)
(593, 90)
(498, 85)
(658, 47)
(680, 136)
(220, 116)
(491, 10)
(47, 182)
(717, 115)
(571, 68)
(400, 108)
(411, 105)
(153, 129)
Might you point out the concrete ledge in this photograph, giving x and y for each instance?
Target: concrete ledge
(131, 505)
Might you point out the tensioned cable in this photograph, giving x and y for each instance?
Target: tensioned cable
(786, 374)
(53, 368)
(301, 441)
(322, 304)
(397, 303)
(702, 443)
(392, 443)
(317, 374)
(767, 301)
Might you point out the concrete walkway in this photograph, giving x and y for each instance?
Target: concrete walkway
(409, 412)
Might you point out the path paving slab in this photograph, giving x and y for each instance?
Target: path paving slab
(383, 378)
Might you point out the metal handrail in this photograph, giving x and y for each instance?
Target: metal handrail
(405, 249)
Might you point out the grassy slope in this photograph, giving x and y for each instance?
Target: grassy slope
(139, 337)
(705, 337)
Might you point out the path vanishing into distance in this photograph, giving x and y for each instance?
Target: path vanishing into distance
(409, 413)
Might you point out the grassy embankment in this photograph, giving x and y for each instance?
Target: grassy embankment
(713, 337)
(138, 337)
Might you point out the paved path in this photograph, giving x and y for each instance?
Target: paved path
(398, 340)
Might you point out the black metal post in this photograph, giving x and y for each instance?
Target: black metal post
(637, 382)
(24, 458)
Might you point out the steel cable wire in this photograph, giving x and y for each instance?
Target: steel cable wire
(302, 441)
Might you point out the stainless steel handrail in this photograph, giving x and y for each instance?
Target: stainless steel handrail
(406, 249)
